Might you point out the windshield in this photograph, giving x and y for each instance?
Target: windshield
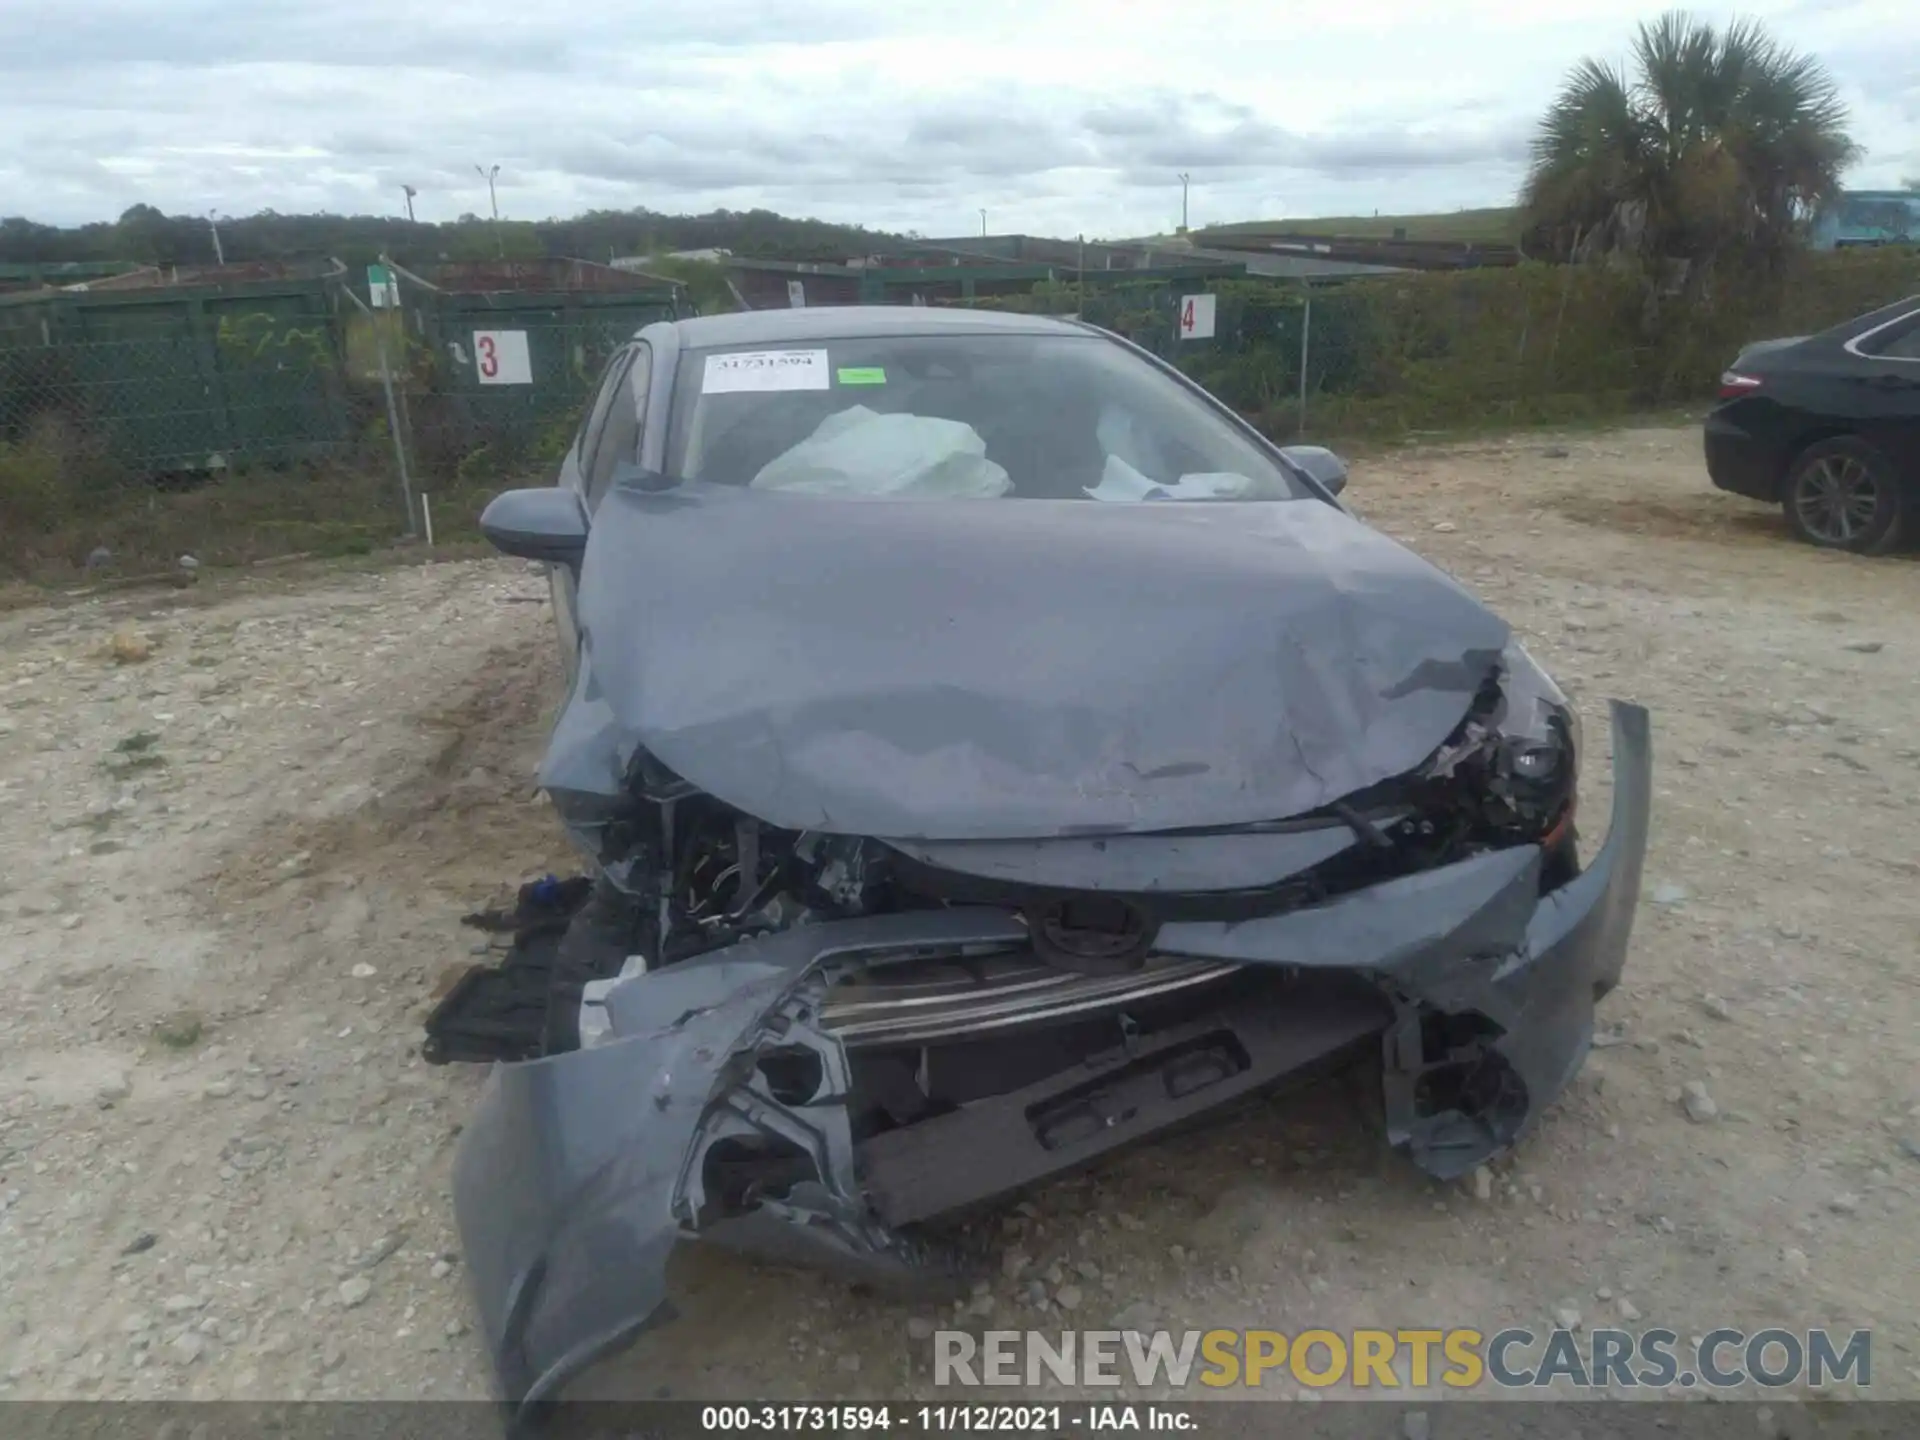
(959, 416)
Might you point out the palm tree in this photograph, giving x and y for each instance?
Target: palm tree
(1719, 142)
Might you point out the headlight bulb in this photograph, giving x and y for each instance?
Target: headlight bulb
(1534, 764)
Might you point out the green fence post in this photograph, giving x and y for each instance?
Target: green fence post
(1306, 330)
(206, 350)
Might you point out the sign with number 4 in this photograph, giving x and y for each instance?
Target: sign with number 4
(500, 357)
(1196, 317)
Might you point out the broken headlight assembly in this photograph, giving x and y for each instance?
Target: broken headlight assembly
(1516, 756)
(1539, 730)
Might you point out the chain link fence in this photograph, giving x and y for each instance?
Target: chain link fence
(1536, 344)
(250, 422)
(253, 424)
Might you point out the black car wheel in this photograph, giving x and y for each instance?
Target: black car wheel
(1843, 494)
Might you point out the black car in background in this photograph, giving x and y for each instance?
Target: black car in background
(1828, 427)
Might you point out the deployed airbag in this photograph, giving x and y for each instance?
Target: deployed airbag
(1121, 482)
(860, 453)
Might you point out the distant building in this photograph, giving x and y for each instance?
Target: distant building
(1869, 217)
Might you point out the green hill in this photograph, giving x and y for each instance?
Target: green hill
(1500, 224)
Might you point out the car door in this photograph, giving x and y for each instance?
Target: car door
(1886, 374)
(574, 473)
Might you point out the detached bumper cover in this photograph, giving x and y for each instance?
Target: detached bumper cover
(578, 1174)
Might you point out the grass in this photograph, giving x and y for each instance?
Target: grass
(54, 515)
(1496, 225)
(180, 1031)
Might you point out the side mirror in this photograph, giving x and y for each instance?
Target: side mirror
(546, 524)
(1320, 463)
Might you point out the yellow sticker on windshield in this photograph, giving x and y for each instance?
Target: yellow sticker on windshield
(863, 375)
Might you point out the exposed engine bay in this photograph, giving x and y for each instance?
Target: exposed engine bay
(700, 874)
(1084, 974)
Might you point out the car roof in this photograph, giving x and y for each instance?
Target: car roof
(859, 322)
(1860, 324)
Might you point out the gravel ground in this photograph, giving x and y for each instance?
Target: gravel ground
(231, 875)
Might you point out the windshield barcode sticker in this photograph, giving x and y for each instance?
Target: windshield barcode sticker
(766, 370)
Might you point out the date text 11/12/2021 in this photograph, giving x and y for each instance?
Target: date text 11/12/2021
(943, 1419)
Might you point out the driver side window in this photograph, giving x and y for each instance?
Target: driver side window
(587, 442)
(619, 438)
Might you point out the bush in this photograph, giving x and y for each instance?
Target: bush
(33, 486)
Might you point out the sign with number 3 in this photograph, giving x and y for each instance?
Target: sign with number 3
(500, 357)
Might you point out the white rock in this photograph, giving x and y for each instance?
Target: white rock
(355, 1291)
(363, 971)
(1698, 1104)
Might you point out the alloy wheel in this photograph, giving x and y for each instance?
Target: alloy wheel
(1836, 500)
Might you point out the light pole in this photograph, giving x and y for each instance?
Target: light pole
(411, 192)
(1185, 180)
(493, 200)
(219, 255)
(983, 224)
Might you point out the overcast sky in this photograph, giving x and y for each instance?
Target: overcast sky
(1056, 116)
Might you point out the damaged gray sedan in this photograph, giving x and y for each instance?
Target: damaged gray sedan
(990, 751)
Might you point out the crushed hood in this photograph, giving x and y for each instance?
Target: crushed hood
(1009, 669)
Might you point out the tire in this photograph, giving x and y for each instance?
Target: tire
(1842, 494)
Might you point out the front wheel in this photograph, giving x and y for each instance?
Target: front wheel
(1842, 494)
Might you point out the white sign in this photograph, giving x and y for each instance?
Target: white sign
(762, 370)
(1196, 317)
(383, 288)
(500, 357)
(797, 294)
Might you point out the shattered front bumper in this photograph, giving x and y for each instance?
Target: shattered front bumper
(578, 1174)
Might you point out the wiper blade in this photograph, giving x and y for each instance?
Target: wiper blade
(1369, 832)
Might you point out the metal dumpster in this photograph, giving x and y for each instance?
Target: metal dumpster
(174, 371)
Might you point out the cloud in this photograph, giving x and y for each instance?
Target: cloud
(1051, 114)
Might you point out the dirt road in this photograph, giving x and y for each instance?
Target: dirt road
(231, 876)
